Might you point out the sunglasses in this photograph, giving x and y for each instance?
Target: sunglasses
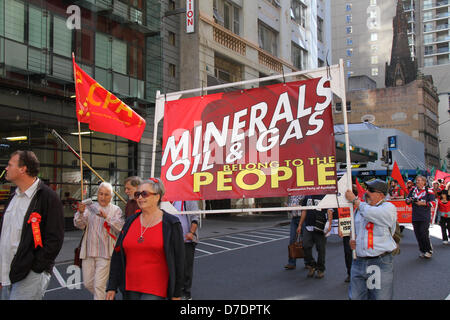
(144, 194)
(372, 190)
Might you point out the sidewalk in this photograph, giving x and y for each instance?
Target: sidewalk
(210, 226)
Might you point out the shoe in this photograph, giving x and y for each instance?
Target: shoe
(444, 242)
(320, 274)
(186, 297)
(289, 267)
(421, 255)
(311, 272)
(428, 255)
(347, 279)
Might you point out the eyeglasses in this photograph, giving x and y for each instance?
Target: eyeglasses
(144, 194)
(372, 190)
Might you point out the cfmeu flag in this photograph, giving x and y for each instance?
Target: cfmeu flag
(102, 110)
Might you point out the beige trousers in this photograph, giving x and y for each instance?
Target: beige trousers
(95, 276)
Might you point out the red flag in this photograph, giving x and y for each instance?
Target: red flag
(102, 110)
(396, 175)
(361, 190)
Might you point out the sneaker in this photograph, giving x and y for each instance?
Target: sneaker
(311, 272)
(320, 274)
(186, 297)
(444, 242)
(427, 255)
(289, 267)
(421, 255)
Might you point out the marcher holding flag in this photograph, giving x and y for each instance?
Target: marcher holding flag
(374, 243)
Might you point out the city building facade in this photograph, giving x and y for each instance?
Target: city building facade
(110, 40)
(363, 33)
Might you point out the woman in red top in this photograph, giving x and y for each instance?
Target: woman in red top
(148, 259)
(444, 213)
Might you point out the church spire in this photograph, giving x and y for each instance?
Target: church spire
(402, 68)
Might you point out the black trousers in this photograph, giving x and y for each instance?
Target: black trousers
(347, 253)
(445, 228)
(311, 238)
(189, 249)
(422, 235)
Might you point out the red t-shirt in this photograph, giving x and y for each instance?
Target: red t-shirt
(444, 208)
(146, 269)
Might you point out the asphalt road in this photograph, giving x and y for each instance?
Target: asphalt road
(249, 266)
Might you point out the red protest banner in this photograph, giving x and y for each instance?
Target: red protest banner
(103, 111)
(264, 142)
(404, 211)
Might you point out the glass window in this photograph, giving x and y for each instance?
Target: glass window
(119, 56)
(373, 2)
(428, 62)
(299, 56)
(267, 39)
(427, 38)
(62, 37)
(373, 36)
(374, 60)
(319, 29)
(348, 29)
(348, 7)
(231, 19)
(348, 18)
(15, 20)
(348, 63)
(298, 12)
(349, 41)
(374, 48)
(103, 50)
(374, 72)
(349, 52)
(38, 28)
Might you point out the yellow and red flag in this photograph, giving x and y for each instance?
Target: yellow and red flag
(102, 110)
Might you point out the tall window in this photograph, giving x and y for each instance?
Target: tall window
(298, 12)
(299, 56)
(62, 37)
(15, 20)
(119, 56)
(267, 39)
(38, 28)
(319, 29)
(231, 17)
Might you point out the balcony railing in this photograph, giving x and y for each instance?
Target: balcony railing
(229, 40)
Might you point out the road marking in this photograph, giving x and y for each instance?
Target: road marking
(269, 233)
(245, 239)
(251, 235)
(204, 251)
(239, 244)
(214, 245)
(448, 297)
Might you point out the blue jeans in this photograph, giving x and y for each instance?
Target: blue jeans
(133, 295)
(372, 279)
(293, 236)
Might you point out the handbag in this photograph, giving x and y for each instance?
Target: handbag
(76, 260)
(296, 249)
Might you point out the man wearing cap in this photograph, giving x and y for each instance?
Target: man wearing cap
(372, 273)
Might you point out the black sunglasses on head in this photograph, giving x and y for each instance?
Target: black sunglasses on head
(144, 194)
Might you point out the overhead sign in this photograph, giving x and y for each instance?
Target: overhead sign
(190, 14)
(272, 141)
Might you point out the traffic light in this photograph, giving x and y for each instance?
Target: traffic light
(389, 157)
(386, 156)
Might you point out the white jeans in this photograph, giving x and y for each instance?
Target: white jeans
(95, 276)
(31, 288)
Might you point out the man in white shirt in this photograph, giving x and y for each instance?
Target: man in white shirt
(32, 231)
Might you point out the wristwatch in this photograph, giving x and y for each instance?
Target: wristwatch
(354, 200)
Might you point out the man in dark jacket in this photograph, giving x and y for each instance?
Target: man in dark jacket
(32, 231)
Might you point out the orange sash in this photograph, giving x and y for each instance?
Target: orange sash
(369, 228)
(35, 219)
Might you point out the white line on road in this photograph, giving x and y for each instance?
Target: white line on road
(214, 245)
(245, 239)
(251, 235)
(204, 251)
(239, 244)
(268, 234)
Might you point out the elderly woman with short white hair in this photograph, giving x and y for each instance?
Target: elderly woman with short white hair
(102, 222)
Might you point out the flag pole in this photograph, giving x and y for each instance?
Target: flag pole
(79, 130)
(84, 162)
